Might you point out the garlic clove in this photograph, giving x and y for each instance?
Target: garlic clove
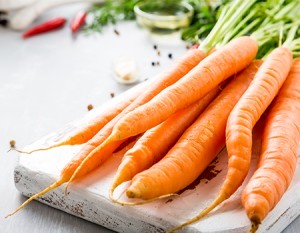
(126, 71)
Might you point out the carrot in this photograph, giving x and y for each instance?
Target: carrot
(215, 68)
(90, 157)
(279, 151)
(196, 148)
(93, 153)
(156, 142)
(242, 119)
(248, 53)
(183, 69)
(84, 133)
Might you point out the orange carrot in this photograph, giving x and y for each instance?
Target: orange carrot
(279, 151)
(215, 68)
(85, 132)
(242, 119)
(196, 148)
(156, 142)
(89, 157)
(226, 65)
(93, 153)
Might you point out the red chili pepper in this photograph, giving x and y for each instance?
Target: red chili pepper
(78, 21)
(45, 27)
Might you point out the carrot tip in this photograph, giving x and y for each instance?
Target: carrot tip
(66, 191)
(34, 197)
(254, 226)
(131, 194)
(19, 151)
(7, 216)
(10, 149)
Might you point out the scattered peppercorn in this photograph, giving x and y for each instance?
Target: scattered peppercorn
(155, 46)
(153, 63)
(116, 32)
(170, 55)
(187, 46)
(157, 63)
(145, 79)
(112, 95)
(90, 107)
(158, 52)
(12, 143)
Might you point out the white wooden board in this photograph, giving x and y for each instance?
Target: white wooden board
(88, 198)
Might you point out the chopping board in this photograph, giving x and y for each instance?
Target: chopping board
(88, 197)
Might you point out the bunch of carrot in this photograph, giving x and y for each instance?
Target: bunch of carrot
(205, 101)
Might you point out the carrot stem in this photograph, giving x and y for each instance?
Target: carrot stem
(270, 13)
(285, 10)
(231, 17)
(290, 37)
(232, 34)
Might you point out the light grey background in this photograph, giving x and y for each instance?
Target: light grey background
(48, 81)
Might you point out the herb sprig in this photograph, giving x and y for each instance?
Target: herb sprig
(112, 11)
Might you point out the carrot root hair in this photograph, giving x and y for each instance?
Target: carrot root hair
(74, 175)
(66, 191)
(124, 203)
(108, 140)
(214, 204)
(36, 150)
(111, 195)
(46, 190)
